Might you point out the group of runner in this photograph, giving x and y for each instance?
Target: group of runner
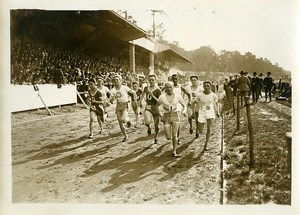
(166, 105)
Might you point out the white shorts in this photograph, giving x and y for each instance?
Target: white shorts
(205, 114)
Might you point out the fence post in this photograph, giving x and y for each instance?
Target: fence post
(288, 136)
(250, 129)
(81, 99)
(44, 103)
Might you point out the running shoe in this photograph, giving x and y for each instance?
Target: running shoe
(155, 141)
(91, 136)
(125, 139)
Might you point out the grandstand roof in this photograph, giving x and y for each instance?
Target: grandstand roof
(114, 24)
(102, 29)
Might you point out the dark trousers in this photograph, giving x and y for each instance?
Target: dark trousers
(255, 95)
(268, 92)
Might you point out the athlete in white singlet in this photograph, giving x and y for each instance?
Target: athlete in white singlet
(208, 105)
(120, 93)
(194, 89)
(169, 102)
(179, 90)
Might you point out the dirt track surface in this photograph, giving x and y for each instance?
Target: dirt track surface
(53, 161)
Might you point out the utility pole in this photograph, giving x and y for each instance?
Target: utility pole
(153, 20)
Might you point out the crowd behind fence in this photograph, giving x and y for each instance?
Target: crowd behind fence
(35, 62)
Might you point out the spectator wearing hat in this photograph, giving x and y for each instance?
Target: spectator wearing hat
(268, 85)
(243, 84)
(255, 87)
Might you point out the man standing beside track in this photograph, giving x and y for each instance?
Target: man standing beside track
(208, 107)
(152, 93)
(268, 85)
(120, 93)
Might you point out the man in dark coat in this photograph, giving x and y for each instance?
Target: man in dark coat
(268, 84)
(255, 87)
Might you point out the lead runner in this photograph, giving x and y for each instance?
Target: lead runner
(169, 101)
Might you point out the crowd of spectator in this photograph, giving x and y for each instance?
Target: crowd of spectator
(34, 62)
(255, 84)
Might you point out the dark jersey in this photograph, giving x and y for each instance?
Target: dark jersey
(94, 106)
(138, 94)
(149, 99)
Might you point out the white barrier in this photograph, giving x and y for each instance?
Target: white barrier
(24, 97)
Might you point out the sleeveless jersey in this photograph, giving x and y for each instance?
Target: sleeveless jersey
(169, 107)
(149, 99)
(121, 95)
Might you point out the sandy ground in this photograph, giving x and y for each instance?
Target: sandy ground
(53, 161)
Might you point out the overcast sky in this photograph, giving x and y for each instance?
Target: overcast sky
(265, 29)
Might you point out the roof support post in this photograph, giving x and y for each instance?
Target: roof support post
(132, 57)
(151, 62)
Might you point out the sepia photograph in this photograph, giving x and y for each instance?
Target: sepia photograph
(142, 107)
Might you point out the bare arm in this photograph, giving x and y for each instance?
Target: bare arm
(186, 93)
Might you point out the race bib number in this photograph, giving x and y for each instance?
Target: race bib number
(206, 107)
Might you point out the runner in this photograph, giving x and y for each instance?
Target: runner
(136, 105)
(151, 94)
(179, 90)
(120, 93)
(169, 101)
(94, 100)
(194, 89)
(208, 107)
(105, 95)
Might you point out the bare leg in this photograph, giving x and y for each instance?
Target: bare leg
(100, 123)
(175, 128)
(92, 115)
(156, 128)
(122, 118)
(167, 128)
(208, 132)
(197, 124)
(148, 119)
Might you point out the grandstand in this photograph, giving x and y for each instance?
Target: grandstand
(68, 47)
